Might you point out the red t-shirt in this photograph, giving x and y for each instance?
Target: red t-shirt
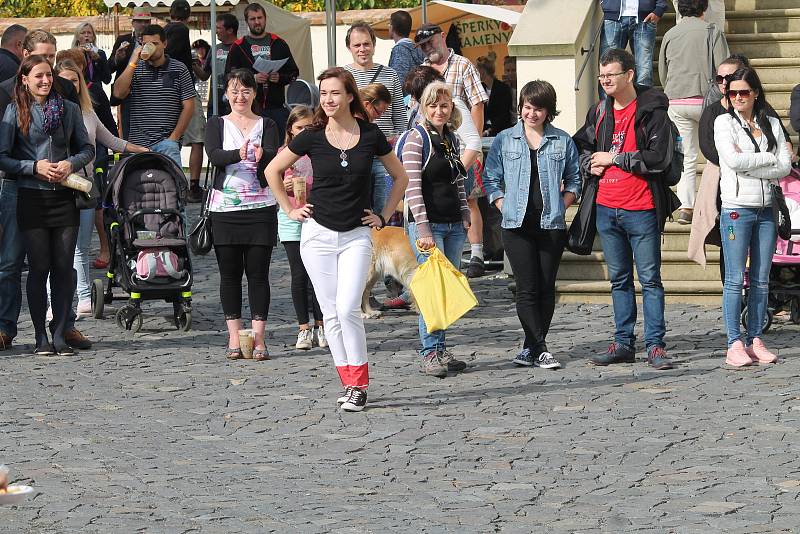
(618, 188)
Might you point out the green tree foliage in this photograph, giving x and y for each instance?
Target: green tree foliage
(50, 8)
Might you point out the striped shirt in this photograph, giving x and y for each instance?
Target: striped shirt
(463, 79)
(412, 162)
(394, 120)
(156, 100)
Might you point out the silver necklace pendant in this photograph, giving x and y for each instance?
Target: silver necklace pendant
(343, 157)
(344, 163)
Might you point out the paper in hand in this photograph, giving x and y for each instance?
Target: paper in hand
(268, 66)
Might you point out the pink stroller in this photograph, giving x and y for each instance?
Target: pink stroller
(784, 277)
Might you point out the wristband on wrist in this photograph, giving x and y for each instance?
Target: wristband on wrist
(383, 221)
(132, 65)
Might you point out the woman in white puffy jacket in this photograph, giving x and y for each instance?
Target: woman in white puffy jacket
(751, 157)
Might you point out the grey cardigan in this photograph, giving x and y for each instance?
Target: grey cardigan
(683, 62)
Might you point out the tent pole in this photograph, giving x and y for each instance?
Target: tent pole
(330, 23)
(424, 11)
(214, 88)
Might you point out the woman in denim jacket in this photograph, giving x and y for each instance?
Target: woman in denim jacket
(42, 141)
(532, 177)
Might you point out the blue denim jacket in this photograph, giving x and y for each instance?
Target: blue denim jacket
(18, 152)
(507, 174)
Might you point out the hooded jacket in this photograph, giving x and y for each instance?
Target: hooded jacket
(269, 95)
(654, 145)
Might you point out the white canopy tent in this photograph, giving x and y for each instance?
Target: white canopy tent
(296, 31)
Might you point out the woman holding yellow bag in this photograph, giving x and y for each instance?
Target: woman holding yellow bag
(532, 176)
(438, 203)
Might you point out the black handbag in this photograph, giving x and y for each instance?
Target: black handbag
(200, 238)
(581, 233)
(86, 201)
(780, 212)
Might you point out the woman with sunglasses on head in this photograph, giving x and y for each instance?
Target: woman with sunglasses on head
(335, 243)
(705, 222)
(42, 141)
(242, 209)
(751, 157)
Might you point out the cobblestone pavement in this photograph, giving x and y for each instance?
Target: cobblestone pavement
(157, 432)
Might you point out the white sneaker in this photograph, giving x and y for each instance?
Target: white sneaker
(304, 338)
(345, 396)
(546, 361)
(319, 337)
(84, 308)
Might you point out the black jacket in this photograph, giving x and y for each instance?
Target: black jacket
(794, 110)
(219, 157)
(9, 64)
(498, 109)
(178, 45)
(240, 56)
(654, 145)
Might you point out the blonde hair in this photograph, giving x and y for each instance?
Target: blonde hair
(84, 100)
(78, 31)
(432, 93)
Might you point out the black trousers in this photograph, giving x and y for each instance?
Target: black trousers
(534, 255)
(301, 285)
(235, 260)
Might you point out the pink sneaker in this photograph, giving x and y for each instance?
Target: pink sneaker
(737, 355)
(759, 353)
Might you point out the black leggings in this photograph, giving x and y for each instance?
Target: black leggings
(235, 260)
(534, 255)
(50, 253)
(301, 284)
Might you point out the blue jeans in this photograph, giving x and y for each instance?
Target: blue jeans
(642, 38)
(12, 254)
(449, 238)
(380, 186)
(630, 236)
(171, 149)
(753, 231)
(81, 261)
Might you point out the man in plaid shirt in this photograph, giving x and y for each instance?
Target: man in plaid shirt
(465, 82)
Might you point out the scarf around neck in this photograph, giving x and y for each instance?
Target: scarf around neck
(52, 113)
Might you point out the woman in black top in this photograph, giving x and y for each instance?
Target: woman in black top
(335, 243)
(42, 141)
(498, 114)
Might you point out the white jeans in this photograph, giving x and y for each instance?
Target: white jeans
(715, 13)
(337, 264)
(687, 120)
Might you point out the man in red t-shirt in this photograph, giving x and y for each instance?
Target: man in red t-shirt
(625, 145)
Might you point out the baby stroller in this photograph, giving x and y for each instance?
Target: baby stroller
(144, 211)
(784, 276)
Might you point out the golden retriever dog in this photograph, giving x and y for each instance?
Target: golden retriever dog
(393, 256)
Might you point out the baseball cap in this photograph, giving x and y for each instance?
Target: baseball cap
(141, 14)
(425, 33)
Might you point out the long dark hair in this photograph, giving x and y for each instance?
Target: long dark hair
(750, 77)
(350, 87)
(21, 95)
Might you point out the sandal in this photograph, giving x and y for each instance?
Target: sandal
(233, 354)
(260, 354)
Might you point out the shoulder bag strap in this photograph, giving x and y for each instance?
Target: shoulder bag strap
(377, 73)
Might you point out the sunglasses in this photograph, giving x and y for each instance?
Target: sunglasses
(744, 93)
(720, 78)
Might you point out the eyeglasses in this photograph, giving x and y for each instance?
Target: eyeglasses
(608, 76)
(243, 94)
(744, 93)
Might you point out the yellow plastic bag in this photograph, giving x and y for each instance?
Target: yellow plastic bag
(442, 293)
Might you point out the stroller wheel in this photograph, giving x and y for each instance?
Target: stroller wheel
(183, 321)
(98, 298)
(767, 319)
(794, 310)
(129, 318)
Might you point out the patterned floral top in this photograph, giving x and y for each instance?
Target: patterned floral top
(241, 190)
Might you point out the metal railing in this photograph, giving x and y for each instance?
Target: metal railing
(589, 53)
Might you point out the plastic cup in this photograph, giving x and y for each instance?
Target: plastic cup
(147, 51)
(246, 342)
(299, 189)
(79, 183)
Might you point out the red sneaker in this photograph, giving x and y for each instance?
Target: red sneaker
(397, 303)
